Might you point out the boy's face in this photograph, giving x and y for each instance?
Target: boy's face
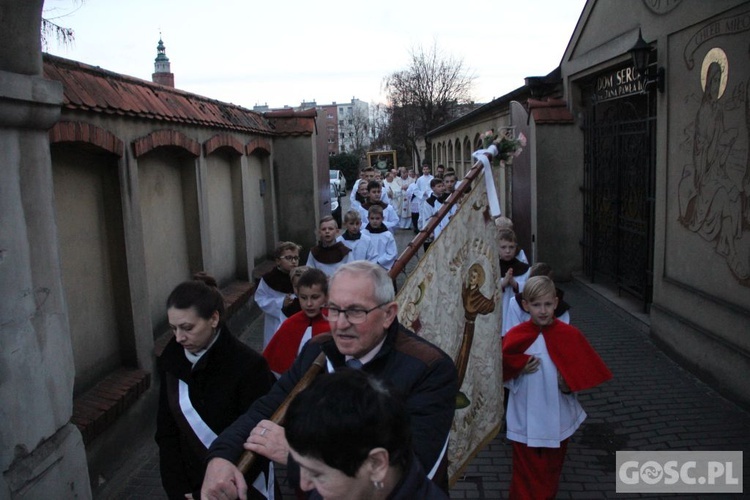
(362, 189)
(542, 309)
(507, 250)
(370, 176)
(375, 220)
(375, 194)
(353, 227)
(426, 170)
(327, 232)
(311, 299)
(449, 183)
(438, 188)
(288, 260)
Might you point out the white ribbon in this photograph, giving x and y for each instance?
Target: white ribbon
(305, 337)
(489, 181)
(201, 428)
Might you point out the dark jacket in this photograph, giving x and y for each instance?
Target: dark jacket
(419, 370)
(222, 386)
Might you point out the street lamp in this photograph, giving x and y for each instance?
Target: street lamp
(639, 54)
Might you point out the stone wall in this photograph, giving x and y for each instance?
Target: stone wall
(41, 452)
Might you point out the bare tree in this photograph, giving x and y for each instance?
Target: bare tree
(360, 128)
(50, 30)
(379, 126)
(425, 95)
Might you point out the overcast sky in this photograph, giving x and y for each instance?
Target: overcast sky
(283, 52)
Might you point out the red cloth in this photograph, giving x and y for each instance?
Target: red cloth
(284, 345)
(536, 471)
(575, 359)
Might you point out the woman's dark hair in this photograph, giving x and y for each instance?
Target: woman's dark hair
(202, 294)
(343, 415)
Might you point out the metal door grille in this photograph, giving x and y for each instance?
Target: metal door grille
(619, 193)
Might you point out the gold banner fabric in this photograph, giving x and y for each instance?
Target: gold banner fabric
(452, 299)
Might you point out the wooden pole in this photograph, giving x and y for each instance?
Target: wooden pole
(413, 246)
(248, 457)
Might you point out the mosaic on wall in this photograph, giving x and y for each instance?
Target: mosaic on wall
(452, 299)
(710, 169)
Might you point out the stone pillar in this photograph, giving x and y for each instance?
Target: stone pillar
(41, 452)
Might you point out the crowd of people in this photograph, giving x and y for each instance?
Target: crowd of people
(377, 425)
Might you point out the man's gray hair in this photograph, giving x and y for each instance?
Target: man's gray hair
(382, 283)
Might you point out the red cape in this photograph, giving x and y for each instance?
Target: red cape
(578, 363)
(284, 345)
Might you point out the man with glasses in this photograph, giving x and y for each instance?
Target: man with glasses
(365, 334)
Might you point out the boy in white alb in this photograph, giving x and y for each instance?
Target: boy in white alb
(361, 245)
(367, 175)
(382, 239)
(545, 361)
(275, 290)
(430, 208)
(513, 272)
(328, 254)
(374, 191)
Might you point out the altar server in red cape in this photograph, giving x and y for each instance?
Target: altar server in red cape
(312, 291)
(545, 361)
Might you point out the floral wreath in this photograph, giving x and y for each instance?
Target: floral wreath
(507, 146)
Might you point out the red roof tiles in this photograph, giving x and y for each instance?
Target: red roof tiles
(91, 88)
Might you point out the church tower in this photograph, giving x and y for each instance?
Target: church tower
(162, 72)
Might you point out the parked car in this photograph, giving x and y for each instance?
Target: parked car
(335, 203)
(337, 178)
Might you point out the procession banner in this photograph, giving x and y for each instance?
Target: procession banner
(452, 298)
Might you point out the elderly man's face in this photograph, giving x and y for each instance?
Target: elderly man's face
(356, 291)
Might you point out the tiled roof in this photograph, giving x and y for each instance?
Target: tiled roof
(550, 111)
(90, 88)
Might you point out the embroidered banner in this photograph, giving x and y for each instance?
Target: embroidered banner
(452, 298)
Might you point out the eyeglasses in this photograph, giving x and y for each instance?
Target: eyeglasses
(353, 316)
(290, 258)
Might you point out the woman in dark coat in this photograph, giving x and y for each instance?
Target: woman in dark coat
(208, 378)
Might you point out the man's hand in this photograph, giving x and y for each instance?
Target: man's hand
(223, 480)
(268, 439)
